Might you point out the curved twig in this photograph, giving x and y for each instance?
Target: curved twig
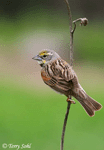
(83, 21)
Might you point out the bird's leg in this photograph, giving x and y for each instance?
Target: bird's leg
(69, 100)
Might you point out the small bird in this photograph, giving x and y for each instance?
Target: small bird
(60, 76)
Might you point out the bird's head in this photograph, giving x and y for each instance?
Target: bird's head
(46, 56)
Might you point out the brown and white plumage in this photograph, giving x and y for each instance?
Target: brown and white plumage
(60, 76)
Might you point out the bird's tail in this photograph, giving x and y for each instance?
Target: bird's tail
(88, 103)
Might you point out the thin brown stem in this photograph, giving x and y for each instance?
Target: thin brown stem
(64, 126)
(71, 63)
(83, 21)
(71, 32)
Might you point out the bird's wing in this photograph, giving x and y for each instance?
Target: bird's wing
(59, 74)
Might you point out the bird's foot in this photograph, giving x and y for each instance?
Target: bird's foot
(69, 100)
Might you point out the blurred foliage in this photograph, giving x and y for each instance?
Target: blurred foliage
(88, 41)
(30, 117)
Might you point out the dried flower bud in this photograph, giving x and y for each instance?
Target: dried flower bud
(84, 21)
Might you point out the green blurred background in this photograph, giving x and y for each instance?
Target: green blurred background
(30, 112)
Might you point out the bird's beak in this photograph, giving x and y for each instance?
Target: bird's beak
(37, 58)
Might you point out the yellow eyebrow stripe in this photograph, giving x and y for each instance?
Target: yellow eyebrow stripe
(43, 53)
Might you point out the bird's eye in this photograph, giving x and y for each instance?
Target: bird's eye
(44, 55)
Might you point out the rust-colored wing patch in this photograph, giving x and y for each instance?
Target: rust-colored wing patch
(44, 76)
(47, 79)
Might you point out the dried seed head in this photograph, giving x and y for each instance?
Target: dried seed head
(84, 21)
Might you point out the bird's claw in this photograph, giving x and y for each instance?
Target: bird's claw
(69, 100)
